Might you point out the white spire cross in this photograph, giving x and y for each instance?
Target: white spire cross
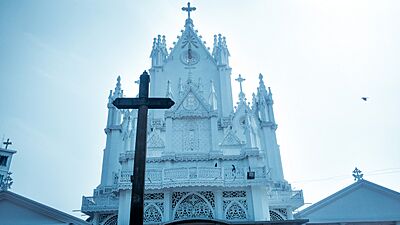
(188, 9)
(241, 94)
(240, 80)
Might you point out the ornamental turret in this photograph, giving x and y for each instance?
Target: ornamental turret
(264, 103)
(159, 52)
(114, 115)
(114, 133)
(220, 51)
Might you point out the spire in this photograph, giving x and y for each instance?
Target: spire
(261, 83)
(242, 96)
(117, 90)
(212, 99)
(114, 115)
(169, 91)
(215, 47)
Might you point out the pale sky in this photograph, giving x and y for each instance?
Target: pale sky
(59, 59)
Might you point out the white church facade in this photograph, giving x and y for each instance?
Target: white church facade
(205, 158)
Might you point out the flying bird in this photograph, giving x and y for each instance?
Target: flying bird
(233, 169)
(365, 98)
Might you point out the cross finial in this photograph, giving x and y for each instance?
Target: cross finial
(188, 9)
(357, 174)
(241, 94)
(240, 80)
(7, 143)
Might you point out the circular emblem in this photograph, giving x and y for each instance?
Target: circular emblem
(190, 57)
(190, 102)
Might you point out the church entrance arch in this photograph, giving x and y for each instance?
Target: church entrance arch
(193, 206)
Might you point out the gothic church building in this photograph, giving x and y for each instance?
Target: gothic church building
(205, 158)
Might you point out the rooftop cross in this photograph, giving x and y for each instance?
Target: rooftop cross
(188, 9)
(143, 103)
(240, 80)
(7, 143)
(357, 174)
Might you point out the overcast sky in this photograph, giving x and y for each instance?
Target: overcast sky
(59, 59)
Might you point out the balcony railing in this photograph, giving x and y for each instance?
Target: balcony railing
(157, 178)
(289, 197)
(99, 203)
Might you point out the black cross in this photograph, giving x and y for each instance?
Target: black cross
(143, 103)
(188, 9)
(7, 143)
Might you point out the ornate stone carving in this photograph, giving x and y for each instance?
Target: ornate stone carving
(193, 206)
(231, 139)
(235, 205)
(152, 214)
(113, 220)
(155, 141)
(235, 212)
(275, 216)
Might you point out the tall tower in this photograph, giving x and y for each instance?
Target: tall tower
(205, 158)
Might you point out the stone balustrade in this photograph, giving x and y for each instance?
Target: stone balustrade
(99, 203)
(294, 198)
(157, 178)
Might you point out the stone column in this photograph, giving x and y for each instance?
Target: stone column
(124, 206)
(167, 206)
(219, 211)
(260, 203)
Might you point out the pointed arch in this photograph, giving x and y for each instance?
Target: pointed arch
(111, 220)
(152, 214)
(193, 205)
(276, 215)
(235, 211)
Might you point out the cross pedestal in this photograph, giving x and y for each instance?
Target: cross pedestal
(142, 103)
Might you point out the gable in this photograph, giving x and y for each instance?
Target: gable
(362, 201)
(155, 141)
(12, 213)
(191, 105)
(18, 210)
(231, 140)
(190, 39)
(189, 58)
